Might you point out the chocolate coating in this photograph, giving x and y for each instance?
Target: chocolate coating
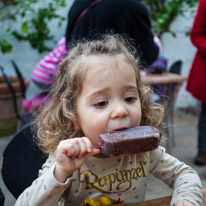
(129, 141)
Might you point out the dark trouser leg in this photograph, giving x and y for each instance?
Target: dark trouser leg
(2, 198)
(202, 129)
(200, 159)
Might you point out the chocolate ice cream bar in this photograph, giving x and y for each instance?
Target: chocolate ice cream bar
(129, 141)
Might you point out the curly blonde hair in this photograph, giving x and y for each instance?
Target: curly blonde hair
(59, 119)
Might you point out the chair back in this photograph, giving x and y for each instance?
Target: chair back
(21, 161)
(176, 67)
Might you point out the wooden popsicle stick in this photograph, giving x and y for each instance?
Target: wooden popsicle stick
(96, 147)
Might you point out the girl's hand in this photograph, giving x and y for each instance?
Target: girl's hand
(183, 203)
(71, 155)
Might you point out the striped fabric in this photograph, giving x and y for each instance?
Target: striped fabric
(46, 69)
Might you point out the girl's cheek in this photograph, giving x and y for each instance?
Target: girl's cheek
(101, 126)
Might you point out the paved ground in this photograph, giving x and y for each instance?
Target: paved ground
(184, 149)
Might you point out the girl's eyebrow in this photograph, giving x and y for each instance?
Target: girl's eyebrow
(130, 87)
(100, 91)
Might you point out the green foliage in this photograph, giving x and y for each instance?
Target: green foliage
(34, 17)
(164, 12)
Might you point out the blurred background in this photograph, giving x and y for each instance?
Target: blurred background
(171, 20)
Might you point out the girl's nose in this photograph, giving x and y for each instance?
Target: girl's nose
(119, 111)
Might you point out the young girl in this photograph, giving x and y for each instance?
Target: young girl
(98, 89)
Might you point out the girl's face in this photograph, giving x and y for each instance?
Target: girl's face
(109, 98)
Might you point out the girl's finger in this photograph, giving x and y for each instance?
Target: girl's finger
(95, 151)
(80, 145)
(66, 147)
(77, 147)
(88, 144)
(83, 147)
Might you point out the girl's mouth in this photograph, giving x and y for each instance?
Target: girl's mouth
(120, 129)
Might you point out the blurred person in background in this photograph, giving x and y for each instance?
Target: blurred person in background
(196, 84)
(89, 19)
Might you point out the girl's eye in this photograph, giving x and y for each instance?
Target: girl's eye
(101, 104)
(130, 99)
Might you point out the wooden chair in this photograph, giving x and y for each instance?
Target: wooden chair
(175, 68)
(204, 196)
(164, 201)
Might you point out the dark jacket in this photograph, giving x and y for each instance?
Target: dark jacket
(127, 17)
